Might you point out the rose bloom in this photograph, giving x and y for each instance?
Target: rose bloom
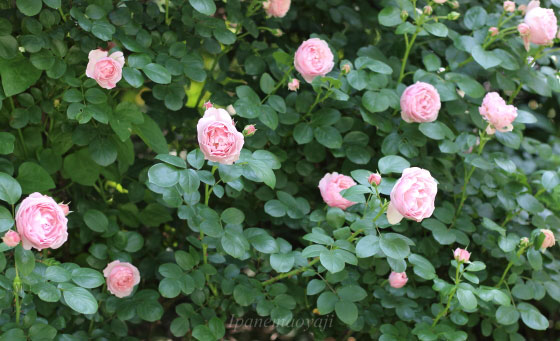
(461, 255)
(509, 6)
(397, 279)
(218, 139)
(106, 70)
(549, 239)
(121, 278)
(293, 85)
(374, 178)
(331, 185)
(420, 103)
(542, 24)
(497, 113)
(412, 196)
(11, 238)
(313, 58)
(41, 222)
(276, 8)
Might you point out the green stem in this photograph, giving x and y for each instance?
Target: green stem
(167, 21)
(16, 285)
(515, 93)
(20, 134)
(61, 13)
(279, 84)
(510, 264)
(291, 273)
(468, 175)
(207, 192)
(451, 295)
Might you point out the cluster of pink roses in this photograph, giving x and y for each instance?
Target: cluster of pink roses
(41, 223)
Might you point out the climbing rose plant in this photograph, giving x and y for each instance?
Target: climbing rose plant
(342, 170)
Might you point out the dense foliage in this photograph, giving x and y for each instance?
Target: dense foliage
(219, 245)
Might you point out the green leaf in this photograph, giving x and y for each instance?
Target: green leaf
(151, 134)
(328, 136)
(486, 59)
(57, 274)
(42, 331)
(275, 208)
(375, 102)
(6, 143)
(550, 180)
(347, 312)
(157, 73)
(392, 164)
(8, 47)
(180, 326)
(10, 190)
(315, 286)
(422, 267)
(475, 18)
(29, 7)
(507, 315)
(489, 224)
(203, 333)
(169, 287)
(96, 220)
(206, 7)
(163, 175)
(34, 178)
(367, 246)
(335, 217)
(282, 262)
(535, 259)
(80, 300)
(351, 293)
(331, 261)
(234, 243)
(189, 180)
(303, 133)
(133, 76)
(532, 317)
(436, 130)
(47, 292)
(393, 246)
(530, 203)
(243, 295)
(233, 215)
(467, 299)
(6, 219)
(390, 16)
(326, 302)
(17, 74)
(103, 151)
(25, 260)
(437, 29)
(150, 310)
(87, 278)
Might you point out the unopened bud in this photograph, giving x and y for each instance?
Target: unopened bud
(524, 241)
(278, 32)
(208, 105)
(509, 6)
(346, 69)
(533, 104)
(453, 15)
(249, 130)
(428, 10)
(493, 31)
(374, 178)
(454, 4)
(522, 9)
(293, 85)
(551, 113)
(404, 14)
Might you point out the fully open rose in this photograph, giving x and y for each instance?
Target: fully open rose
(420, 103)
(218, 139)
(41, 222)
(121, 278)
(313, 58)
(105, 69)
(331, 185)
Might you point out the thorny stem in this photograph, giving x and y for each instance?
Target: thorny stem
(510, 264)
(207, 192)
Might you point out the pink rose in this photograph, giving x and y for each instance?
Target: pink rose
(549, 239)
(313, 58)
(397, 279)
(374, 178)
(218, 138)
(41, 223)
(440, 1)
(121, 278)
(11, 238)
(293, 85)
(106, 70)
(208, 105)
(276, 8)
(524, 31)
(412, 196)
(497, 113)
(522, 9)
(331, 185)
(542, 24)
(420, 103)
(509, 6)
(461, 255)
(493, 31)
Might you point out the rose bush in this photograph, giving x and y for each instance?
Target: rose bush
(178, 169)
